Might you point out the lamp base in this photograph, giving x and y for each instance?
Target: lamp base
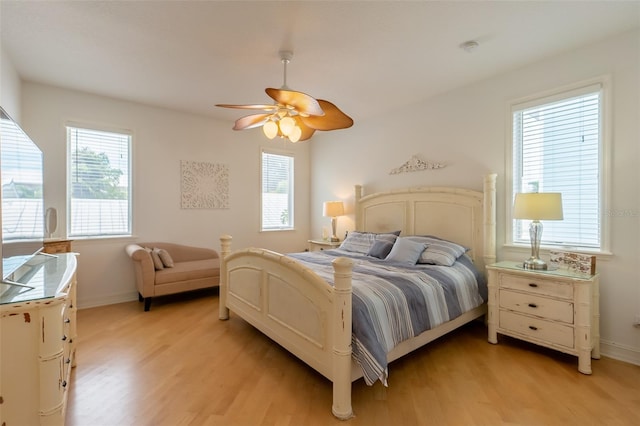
(535, 264)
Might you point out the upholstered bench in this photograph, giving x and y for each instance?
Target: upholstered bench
(167, 268)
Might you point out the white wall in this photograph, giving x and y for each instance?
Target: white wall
(9, 87)
(468, 129)
(161, 138)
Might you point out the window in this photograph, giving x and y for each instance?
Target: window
(558, 147)
(22, 185)
(98, 183)
(277, 191)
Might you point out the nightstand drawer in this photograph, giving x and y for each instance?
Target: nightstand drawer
(538, 329)
(537, 285)
(558, 310)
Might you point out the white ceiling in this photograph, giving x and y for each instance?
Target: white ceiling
(366, 57)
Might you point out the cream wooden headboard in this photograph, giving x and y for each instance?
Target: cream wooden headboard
(461, 215)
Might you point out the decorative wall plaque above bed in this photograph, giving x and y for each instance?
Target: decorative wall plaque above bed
(416, 164)
(204, 185)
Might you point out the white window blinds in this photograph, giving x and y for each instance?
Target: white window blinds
(557, 148)
(277, 191)
(99, 176)
(22, 184)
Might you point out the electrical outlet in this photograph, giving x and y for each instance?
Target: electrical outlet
(636, 321)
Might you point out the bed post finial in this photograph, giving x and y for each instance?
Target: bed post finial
(225, 250)
(341, 408)
(490, 219)
(357, 207)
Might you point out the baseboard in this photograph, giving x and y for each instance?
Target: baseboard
(109, 300)
(620, 352)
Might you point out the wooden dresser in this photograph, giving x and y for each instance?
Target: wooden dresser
(556, 309)
(38, 342)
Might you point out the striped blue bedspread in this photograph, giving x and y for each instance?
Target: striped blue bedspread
(394, 302)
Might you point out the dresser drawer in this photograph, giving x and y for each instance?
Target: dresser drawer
(531, 304)
(538, 329)
(536, 285)
(51, 330)
(52, 384)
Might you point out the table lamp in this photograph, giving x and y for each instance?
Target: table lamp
(537, 206)
(333, 209)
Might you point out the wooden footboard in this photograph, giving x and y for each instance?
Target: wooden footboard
(296, 308)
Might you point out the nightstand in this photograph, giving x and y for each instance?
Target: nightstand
(557, 309)
(316, 245)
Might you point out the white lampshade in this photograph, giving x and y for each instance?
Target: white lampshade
(332, 208)
(538, 206)
(286, 125)
(294, 135)
(270, 129)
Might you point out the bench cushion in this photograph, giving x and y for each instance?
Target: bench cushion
(191, 270)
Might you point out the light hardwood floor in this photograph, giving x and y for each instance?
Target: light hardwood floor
(178, 365)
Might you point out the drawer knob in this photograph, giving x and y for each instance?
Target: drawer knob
(533, 305)
(64, 338)
(532, 327)
(533, 285)
(64, 383)
(67, 321)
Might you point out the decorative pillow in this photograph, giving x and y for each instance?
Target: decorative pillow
(361, 242)
(439, 252)
(157, 263)
(382, 245)
(406, 251)
(165, 257)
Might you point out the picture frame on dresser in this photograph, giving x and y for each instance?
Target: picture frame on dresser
(558, 309)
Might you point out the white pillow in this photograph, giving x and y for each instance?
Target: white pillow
(157, 263)
(165, 257)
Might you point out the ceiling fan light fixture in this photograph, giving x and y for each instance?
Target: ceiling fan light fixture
(294, 115)
(295, 134)
(286, 125)
(270, 129)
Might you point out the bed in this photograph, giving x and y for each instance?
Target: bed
(295, 301)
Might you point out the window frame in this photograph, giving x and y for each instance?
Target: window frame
(69, 189)
(550, 96)
(291, 192)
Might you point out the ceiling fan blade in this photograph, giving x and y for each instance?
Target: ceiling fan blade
(302, 102)
(333, 118)
(254, 106)
(251, 121)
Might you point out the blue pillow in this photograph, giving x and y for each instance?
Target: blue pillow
(382, 245)
(406, 251)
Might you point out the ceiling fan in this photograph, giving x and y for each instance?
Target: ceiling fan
(294, 115)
